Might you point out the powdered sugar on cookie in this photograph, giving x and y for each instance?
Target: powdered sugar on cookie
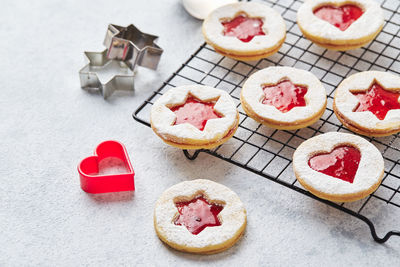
(369, 172)
(232, 217)
(345, 101)
(273, 27)
(252, 94)
(163, 119)
(369, 23)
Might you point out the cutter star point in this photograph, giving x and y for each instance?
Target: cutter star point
(101, 74)
(132, 46)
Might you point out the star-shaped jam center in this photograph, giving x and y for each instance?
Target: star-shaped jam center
(341, 17)
(198, 214)
(243, 27)
(195, 112)
(284, 95)
(377, 100)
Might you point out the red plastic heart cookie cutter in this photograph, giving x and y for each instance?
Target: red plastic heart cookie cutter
(95, 183)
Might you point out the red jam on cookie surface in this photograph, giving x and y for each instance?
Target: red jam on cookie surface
(285, 95)
(195, 112)
(198, 214)
(377, 100)
(243, 27)
(341, 17)
(341, 163)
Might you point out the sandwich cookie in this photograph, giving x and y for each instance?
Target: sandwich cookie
(245, 31)
(283, 97)
(340, 24)
(338, 166)
(194, 117)
(368, 103)
(199, 216)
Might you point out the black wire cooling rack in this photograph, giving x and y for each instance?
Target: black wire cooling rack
(268, 152)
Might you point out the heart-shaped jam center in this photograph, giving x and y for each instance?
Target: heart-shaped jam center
(285, 95)
(197, 214)
(377, 100)
(341, 17)
(243, 27)
(341, 163)
(195, 112)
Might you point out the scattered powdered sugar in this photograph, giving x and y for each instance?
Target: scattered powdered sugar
(112, 165)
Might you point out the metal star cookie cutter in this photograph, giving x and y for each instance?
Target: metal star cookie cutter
(105, 75)
(132, 46)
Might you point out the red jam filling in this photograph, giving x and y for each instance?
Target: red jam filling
(341, 163)
(243, 27)
(341, 17)
(377, 100)
(195, 112)
(198, 214)
(285, 95)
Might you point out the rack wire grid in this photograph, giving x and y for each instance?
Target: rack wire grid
(268, 152)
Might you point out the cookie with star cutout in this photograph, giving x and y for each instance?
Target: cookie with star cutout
(199, 216)
(338, 167)
(245, 31)
(340, 24)
(194, 117)
(283, 98)
(368, 103)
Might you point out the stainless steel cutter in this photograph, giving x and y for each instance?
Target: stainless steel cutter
(105, 75)
(132, 46)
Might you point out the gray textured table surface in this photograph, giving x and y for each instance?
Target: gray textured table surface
(48, 124)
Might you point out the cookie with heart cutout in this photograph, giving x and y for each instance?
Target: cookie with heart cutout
(199, 216)
(283, 97)
(368, 103)
(245, 31)
(338, 167)
(340, 24)
(194, 117)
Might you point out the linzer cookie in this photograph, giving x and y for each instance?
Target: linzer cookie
(340, 24)
(245, 31)
(368, 103)
(199, 216)
(194, 117)
(338, 166)
(283, 97)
